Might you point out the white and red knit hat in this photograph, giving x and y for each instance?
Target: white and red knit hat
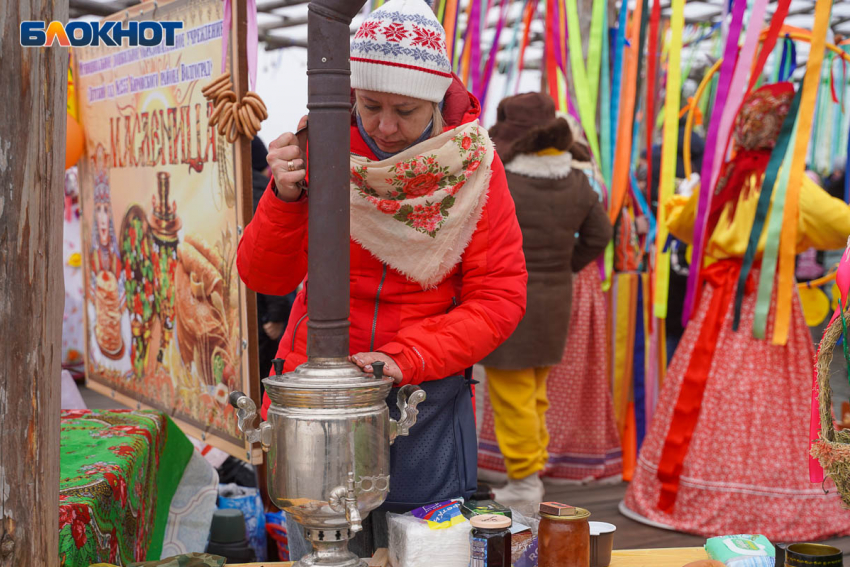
(400, 48)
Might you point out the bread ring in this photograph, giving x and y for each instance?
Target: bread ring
(225, 121)
(226, 95)
(240, 119)
(228, 86)
(234, 132)
(249, 121)
(217, 111)
(255, 96)
(214, 83)
(259, 111)
(255, 122)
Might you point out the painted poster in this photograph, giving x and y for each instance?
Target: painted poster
(160, 228)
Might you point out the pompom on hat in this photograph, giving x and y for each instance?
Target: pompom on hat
(400, 48)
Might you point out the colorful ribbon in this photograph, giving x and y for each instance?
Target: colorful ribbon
(668, 156)
(722, 277)
(777, 157)
(788, 243)
(713, 140)
(623, 149)
(585, 94)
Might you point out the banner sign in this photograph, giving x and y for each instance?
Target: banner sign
(160, 228)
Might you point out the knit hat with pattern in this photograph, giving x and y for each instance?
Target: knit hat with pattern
(400, 48)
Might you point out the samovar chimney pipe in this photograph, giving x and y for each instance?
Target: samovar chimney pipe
(329, 103)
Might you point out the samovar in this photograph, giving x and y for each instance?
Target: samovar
(328, 434)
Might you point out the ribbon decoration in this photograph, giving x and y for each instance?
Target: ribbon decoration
(605, 163)
(651, 72)
(769, 42)
(623, 147)
(251, 40)
(491, 60)
(585, 93)
(771, 173)
(449, 13)
(788, 241)
(549, 51)
(789, 59)
(514, 60)
(668, 157)
(617, 82)
(529, 14)
(713, 140)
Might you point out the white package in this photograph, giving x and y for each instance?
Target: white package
(414, 544)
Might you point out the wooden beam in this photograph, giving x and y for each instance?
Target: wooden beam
(32, 179)
(95, 8)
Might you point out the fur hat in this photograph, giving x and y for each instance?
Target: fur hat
(527, 123)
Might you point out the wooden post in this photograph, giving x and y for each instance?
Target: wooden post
(32, 173)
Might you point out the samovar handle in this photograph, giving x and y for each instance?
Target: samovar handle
(409, 397)
(246, 413)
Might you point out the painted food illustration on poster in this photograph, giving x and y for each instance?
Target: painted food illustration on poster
(159, 214)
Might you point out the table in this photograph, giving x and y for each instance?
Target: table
(119, 470)
(670, 557)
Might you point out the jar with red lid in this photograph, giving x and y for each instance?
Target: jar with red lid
(563, 536)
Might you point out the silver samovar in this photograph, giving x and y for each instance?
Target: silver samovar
(328, 435)
(328, 430)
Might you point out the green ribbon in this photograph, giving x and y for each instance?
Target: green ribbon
(771, 249)
(585, 93)
(762, 208)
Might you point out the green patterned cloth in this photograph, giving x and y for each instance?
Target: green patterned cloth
(119, 470)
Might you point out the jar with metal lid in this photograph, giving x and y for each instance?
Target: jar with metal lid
(563, 536)
(490, 541)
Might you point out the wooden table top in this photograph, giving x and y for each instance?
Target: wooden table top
(671, 557)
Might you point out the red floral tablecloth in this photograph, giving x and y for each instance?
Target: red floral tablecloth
(119, 470)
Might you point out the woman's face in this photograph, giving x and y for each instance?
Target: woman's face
(394, 121)
(102, 215)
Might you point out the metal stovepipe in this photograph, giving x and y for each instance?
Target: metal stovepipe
(329, 102)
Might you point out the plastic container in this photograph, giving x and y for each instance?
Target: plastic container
(601, 543)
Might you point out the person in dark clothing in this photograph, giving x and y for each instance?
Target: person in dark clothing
(272, 310)
(678, 264)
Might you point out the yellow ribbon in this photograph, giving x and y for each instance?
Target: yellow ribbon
(788, 237)
(668, 156)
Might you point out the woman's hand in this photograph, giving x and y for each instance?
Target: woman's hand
(365, 359)
(286, 160)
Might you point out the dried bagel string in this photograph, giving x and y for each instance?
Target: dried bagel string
(234, 117)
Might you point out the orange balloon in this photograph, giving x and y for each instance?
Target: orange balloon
(73, 142)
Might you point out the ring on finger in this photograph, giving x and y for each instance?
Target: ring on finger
(290, 165)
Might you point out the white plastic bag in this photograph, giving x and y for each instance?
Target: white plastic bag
(414, 544)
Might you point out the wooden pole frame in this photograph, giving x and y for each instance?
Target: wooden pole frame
(32, 178)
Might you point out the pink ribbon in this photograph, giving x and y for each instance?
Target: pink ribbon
(475, 50)
(252, 40)
(491, 60)
(727, 69)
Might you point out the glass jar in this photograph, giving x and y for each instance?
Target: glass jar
(490, 541)
(563, 536)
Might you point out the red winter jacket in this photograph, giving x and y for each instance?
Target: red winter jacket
(431, 333)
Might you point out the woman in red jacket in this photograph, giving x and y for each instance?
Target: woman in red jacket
(438, 275)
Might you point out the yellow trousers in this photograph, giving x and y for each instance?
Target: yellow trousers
(519, 405)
